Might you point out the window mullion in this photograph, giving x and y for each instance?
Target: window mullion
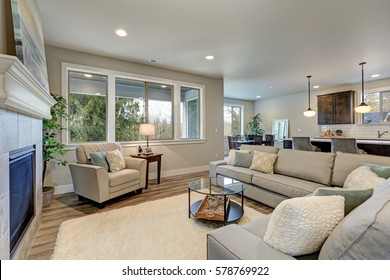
(111, 109)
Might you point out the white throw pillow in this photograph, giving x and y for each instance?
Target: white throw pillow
(363, 178)
(115, 160)
(263, 162)
(232, 155)
(300, 226)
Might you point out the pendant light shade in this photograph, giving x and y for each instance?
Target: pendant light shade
(363, 107)
(309, 112)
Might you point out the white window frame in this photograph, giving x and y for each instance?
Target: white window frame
(242, 132)
(359, 117)
(111, 75)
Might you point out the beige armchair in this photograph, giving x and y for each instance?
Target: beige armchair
(95, 183)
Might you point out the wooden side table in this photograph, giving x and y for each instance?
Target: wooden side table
(151, 158)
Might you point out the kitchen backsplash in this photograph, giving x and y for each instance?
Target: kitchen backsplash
(359, 130)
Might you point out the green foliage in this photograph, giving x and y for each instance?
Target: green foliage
(255, 125)
(88, 122)
(52, 148)
(128, 119)
(339, 131)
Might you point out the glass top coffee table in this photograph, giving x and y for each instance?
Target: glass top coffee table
(216, 204)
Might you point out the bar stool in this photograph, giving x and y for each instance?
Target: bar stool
(304, 144)
(345, 145)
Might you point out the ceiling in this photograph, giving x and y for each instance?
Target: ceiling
(262, 47)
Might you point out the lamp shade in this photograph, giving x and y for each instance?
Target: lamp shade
(147, 129)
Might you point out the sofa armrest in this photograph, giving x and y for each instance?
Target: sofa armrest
(232, 242)
(137, 164)
(90, 181)
(213, 167)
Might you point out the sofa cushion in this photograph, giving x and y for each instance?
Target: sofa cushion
(285, 185)
(83, 152)
(311, 166)
(353, 197)
(364, 233)
(243, 160)
(363, 178)
(122, 176)
(232, 155)
(263, 162)
(115, 160)
(239, 173)
(99, 159)
(345, 162)
(300, 226)
(264, 149)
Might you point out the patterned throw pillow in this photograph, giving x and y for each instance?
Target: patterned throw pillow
(263, 162)
(299, 226)
(115, 160)
(363, 178)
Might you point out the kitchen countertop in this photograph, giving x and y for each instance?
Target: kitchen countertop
(374, 141)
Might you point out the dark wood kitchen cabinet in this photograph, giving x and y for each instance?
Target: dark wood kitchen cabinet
(336, 108)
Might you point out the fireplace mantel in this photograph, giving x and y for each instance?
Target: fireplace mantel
(19, 90)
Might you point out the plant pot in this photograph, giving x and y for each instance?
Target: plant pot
(47, 195)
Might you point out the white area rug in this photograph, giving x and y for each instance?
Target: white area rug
(155, 230)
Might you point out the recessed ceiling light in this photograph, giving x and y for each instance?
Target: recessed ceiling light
(121, 33)
(163, 86)
(88, 75)
(268, 86)
(258, 96)
(316, 86)
(209, 57)
(375, 76)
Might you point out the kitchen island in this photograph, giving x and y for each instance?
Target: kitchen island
(373, 146)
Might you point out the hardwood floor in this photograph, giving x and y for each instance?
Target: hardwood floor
(67, 206)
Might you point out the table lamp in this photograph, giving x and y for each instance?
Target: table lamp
(147, 129)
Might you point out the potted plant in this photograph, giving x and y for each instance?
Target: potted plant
(339, 132)
(255, 127)
(52, 149)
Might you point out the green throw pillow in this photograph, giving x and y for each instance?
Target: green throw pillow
(243, 160)
(99, 159)
(381, 171)
(353, 197)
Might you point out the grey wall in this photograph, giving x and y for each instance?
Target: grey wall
(177, 158)
(292, 107)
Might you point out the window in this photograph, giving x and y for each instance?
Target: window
(87, 107)
(160, 111)
(232, 120)
(109, 106)
(129, 109)
(380, 104)
(189, 112)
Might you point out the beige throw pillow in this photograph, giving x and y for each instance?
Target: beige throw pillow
(363, 178)
(300, 226)
(115, 160)
(263, 162)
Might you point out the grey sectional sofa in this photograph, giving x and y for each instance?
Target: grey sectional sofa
(363, 234)
(296, 173)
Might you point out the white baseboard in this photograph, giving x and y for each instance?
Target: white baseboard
(69, 188)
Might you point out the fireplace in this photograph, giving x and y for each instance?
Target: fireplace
(22, 182)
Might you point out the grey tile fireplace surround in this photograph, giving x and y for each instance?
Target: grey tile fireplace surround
(23, 104)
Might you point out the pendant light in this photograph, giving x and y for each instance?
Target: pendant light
(309, 112)
(363, 107)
